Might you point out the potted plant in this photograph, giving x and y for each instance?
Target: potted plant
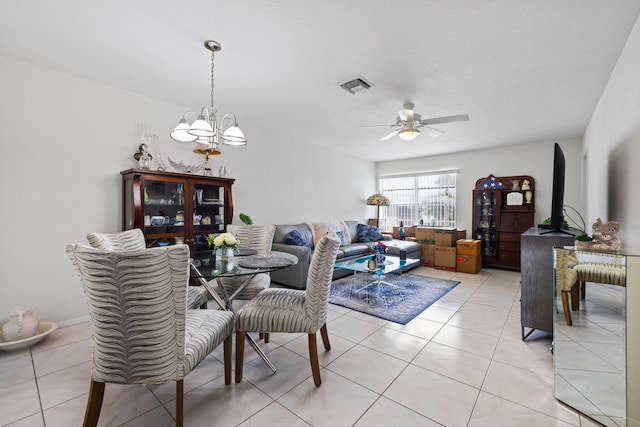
(583, 241)
(246, 219)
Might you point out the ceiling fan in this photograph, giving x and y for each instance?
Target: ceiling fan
(408, 123)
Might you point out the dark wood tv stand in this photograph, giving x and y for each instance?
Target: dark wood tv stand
(536, 280)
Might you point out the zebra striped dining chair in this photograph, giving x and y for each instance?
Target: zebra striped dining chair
(133, 240)
(292, 310)
(142, 331)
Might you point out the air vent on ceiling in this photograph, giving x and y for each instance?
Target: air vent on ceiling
(355, 85)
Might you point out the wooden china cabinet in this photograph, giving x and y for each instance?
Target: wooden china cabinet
(503, 209)
(175, 207)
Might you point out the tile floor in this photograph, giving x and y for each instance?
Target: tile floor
(460, 363)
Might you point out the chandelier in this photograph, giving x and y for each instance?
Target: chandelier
(205, 130)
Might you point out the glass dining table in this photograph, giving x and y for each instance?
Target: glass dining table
(246, 264)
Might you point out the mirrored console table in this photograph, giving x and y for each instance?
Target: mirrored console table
(596, 367)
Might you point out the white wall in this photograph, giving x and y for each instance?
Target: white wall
(612, 146)
(64, 141)
(534, 159)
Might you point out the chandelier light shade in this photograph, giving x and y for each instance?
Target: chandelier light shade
(408, 134)
(378, 200)
(205, 130)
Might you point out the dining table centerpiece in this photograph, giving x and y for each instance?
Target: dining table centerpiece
(224, 246)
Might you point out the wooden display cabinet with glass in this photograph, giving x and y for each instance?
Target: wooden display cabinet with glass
(503, 209)
(175, 208)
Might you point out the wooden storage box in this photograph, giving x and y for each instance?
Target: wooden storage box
(427, 255)
(469, 247)
(461, 234)
(445, 258)
(469, 263)
(445, 237)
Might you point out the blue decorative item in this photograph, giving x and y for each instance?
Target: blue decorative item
(340, 235)
(294, 237)
(368, 233)
(380, 249)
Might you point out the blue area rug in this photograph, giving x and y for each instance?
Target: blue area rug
(399, 305)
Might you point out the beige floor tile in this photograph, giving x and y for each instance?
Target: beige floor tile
(68, 413)
(421, 328)
(493, 411)
(158, 417)
(64, 336)
(292, 370)
(386, 413)
(62, 357)
(15, 371)
(380, 370)
(437, 314)
(210, 369)
(338, 347)
(18, 401)
(274, 415)
(526, 388)
(534, 356)
(352, 329)
(31, 421)
(463, 339)
(435, 396)
(395, 343)
(459, 365)
(64, 385)
(216, 404)
(337, 402)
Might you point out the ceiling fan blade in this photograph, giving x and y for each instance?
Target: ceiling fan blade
(432, 132)
(445, 119)
(391, 135)
(377, 126)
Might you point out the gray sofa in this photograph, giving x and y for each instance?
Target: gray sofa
(296, 276)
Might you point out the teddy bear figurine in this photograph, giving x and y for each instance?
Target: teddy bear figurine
(605, 235)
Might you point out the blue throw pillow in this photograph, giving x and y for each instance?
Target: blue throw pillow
(340, 235)
(368, 233)
(295, 238)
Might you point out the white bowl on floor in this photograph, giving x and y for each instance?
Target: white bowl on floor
(44, 329)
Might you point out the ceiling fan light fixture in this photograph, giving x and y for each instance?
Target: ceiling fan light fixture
(408, 134)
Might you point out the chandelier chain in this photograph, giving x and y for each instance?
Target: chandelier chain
(213, 108)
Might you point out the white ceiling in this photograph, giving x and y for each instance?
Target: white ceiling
(523, 70)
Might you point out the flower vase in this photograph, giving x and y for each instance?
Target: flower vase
(224, 259)
(379, 257)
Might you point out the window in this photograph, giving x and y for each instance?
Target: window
(430, 198)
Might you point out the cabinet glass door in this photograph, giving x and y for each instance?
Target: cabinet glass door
(485, 221)
(164, 212)
(208, 213)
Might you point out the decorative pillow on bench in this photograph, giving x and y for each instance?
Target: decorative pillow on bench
(368, 233)
(295, 238)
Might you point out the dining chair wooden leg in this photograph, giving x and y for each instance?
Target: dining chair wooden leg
(575, 296)
(94, 404)
(313, 357)
(227, 360)
(565, 307)
(179, 403)
(239, 354)
(325, 337)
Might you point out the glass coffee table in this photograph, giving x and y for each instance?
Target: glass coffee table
(391, 265)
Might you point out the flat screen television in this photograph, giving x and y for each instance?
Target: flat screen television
(557, 193)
